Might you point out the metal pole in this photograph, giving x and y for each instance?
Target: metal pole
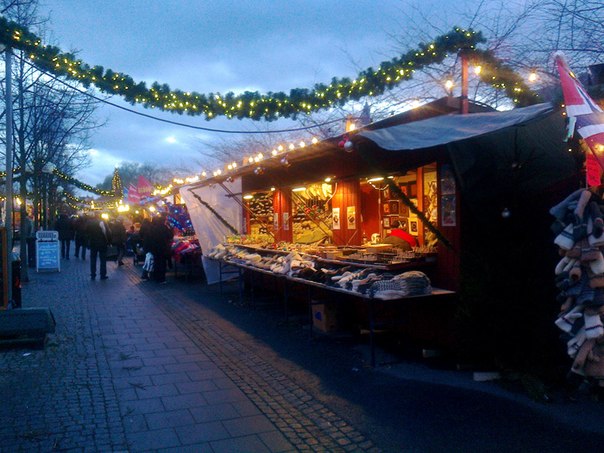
(464, 83)
(8, 219)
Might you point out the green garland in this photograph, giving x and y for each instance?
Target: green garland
(81, 202)
(71, 180)
(84, 186)
(254, 105)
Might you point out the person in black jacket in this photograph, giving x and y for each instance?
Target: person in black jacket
(118, 238)
(65, 229)
(143, 234)
(81, 239)
(160, 245)
(99, 237)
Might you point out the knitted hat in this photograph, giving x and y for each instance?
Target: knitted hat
(589, 253)
(559, 211)
(584, 199)
(565, 240)
(597, 265)
(565, 265)
(596, 216)
(596, 280)
(566, 321)
(575, 343)
(592, 239)
(593, 326)
(575, 272)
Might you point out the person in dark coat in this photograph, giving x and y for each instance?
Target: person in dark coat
(160, 245)
(118, 238)
(81, 239)
(64, 227)
(99, 237)
(144, 238)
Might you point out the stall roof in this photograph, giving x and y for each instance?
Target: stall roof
(446, 129)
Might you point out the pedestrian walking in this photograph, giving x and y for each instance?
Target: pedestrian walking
(160, 238)
(29, 234)
(118, 239)
(64, 227)
(99, 237)
(144, 237)
(81, 238)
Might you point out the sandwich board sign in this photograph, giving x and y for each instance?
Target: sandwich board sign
(48, 256)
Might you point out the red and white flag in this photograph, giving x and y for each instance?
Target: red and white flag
(586, 117)
(145, 188)
(133, 195)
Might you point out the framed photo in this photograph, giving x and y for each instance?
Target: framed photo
(386, 207)
(393, 207)
(403, 210)
(413, 227)
(403, 188)
(351, 217)
(335, 218)
(404, 223)
(386, 221)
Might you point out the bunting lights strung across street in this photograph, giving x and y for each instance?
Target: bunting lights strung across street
(270, 106)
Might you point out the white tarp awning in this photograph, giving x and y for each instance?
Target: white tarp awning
(204, 205)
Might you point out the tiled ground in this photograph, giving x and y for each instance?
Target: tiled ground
(135, 366)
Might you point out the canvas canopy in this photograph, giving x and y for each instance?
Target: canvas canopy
(213, 210)
(446, 129)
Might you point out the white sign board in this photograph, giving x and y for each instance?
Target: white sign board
(48, 254)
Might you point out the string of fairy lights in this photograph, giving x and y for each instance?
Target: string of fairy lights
(71, 180)
(270, 106)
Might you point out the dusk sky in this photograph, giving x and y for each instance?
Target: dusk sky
(220, 46)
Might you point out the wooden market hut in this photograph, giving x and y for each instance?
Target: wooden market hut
(488, 179)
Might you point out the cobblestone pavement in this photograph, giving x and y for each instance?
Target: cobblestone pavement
(136, 366)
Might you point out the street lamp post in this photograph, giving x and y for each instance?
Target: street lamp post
(8, 213)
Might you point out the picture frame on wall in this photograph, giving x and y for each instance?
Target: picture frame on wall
(413, 227)
(393, 207)
(404, 223)
(386, 222)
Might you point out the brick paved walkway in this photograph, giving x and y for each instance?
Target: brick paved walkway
(136, 366)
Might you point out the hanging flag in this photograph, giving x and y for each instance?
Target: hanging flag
(133, 196)
(586, 118)
(145, 188)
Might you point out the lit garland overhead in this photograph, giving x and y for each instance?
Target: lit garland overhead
(81, 203)
(83, 186)
(269, 106)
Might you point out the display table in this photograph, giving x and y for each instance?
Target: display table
(233, 268)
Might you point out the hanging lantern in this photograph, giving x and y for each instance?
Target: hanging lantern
(348, 146)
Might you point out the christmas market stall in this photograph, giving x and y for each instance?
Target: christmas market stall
(466, 190)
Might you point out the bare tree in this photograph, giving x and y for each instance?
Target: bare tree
(52, 123)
